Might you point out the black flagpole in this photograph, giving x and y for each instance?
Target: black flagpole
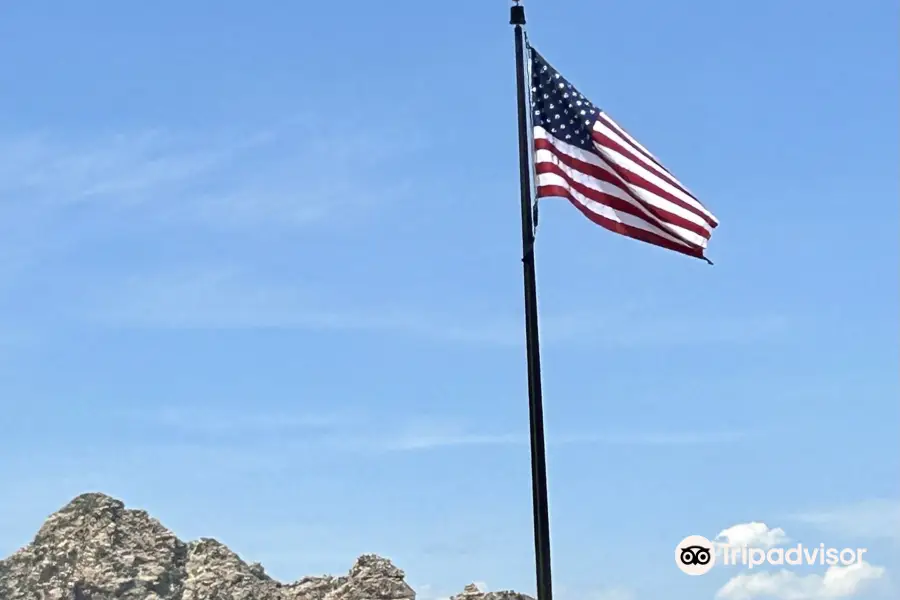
(535, 401)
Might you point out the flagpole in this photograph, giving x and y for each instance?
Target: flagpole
(535, 400)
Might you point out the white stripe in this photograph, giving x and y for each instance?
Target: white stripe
(648, 163)
(647, 196)
(626, 163)
(602, 186)
(624, 134)
(652, 198)
(633, 141)
(545, 179)
(545, 156)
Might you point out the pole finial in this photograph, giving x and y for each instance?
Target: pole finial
(516, 14)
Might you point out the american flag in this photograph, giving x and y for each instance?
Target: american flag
(581, 154)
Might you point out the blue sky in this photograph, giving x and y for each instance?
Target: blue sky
(259, 275)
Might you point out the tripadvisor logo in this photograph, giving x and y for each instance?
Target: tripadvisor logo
(794, 556)
(696, 555)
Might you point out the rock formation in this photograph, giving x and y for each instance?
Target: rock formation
(96, 549)
(471, 592)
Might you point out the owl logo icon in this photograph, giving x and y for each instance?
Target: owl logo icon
(695, 555)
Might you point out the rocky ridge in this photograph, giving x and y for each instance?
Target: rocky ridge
(96, 549)
(471, 592)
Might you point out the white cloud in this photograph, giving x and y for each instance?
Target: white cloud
(118, 170)
(10, 337)
(873, 519)
(424, 440)
(226, 299)
(660, 438)
(223, 298)
(615, 593)
(223, 420)
(836, 582)
(752, 535)
(437, 437)
(351, 429)
(61, 193)
(283, 177)
(229, 440)
(429, 592)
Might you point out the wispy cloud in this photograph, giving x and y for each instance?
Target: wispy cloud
(397, 441)
(426, 441)
(224, 299)
(228, 299)
(871, 519)
(64, 193)
(427, 591)
(352, 431)
(283, 176)
(117, 170)
(614, 593)
(13, 338)
(219, 420)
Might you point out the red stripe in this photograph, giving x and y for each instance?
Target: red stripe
(637, 180)
(609, 200)
(670, 177)
(616, 227)
(619, 129)
(630, 152)
(663, 216)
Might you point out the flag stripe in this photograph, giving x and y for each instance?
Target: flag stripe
(596, 213)
(613, 194)
(606, 140)
(610, 206)
(590, 165)
(642, 179)
(607, 120)
(616, 201)
(604, 120)
(656, 207)
(616, 198)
